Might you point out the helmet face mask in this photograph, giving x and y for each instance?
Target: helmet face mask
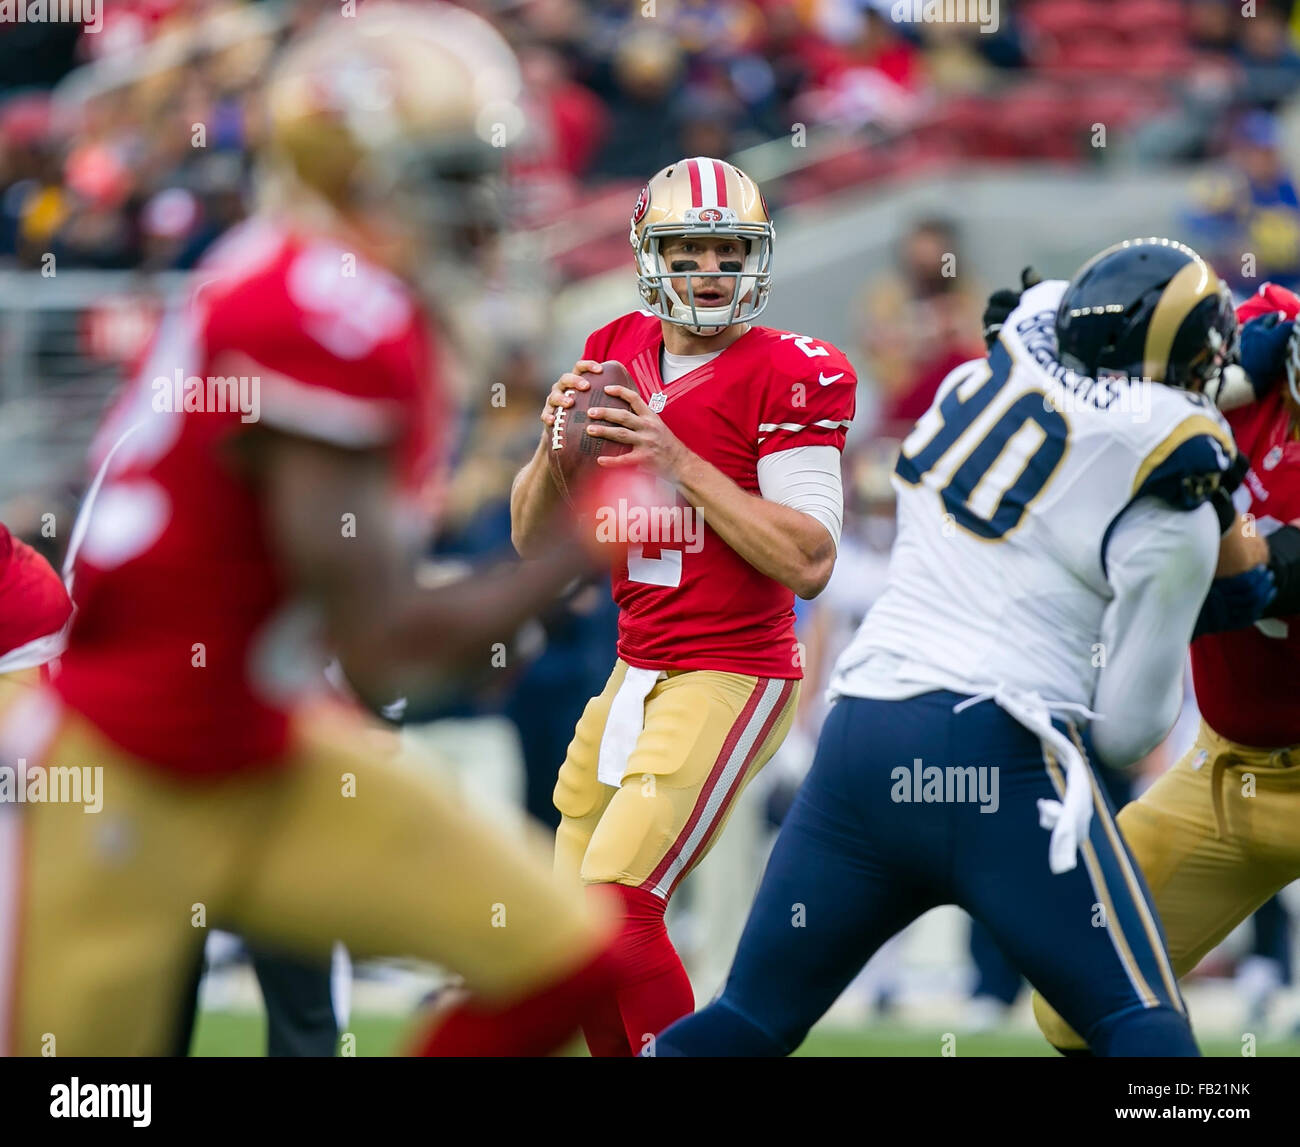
(1211, 338)
(1293, 368)
(702, 198)
(750, 286)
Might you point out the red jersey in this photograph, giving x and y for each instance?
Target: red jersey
(1247, 680)
(698, 604)
(34, 606)
(188, 648)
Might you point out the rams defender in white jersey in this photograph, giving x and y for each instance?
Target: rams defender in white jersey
(1055, 546)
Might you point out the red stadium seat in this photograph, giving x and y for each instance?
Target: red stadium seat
(1142, 21)
(1063, 19)
(1161, 58)
(1093, 50)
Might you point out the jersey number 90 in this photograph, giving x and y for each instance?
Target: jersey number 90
(992, 472)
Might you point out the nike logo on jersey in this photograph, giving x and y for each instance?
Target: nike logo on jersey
(826, 380)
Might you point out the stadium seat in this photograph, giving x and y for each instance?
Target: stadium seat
(1145, 21)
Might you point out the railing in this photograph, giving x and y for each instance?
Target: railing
(66, 343)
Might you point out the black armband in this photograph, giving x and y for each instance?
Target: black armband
(1284, 564)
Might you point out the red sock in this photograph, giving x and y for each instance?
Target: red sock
(653, 989)
(536, 1025)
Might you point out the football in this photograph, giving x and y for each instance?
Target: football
(573, 451)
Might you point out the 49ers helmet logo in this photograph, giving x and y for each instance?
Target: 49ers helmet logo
(710, 215)
(642, 205)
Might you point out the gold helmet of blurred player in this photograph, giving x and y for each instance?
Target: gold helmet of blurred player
(395, 120)
(703, 197)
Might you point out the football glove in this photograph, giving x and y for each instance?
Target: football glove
(1236, 602)
(1267, 350)
(1002, 303)
(1284, 565)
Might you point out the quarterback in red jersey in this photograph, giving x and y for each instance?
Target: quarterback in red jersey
(251, 507)
(743, 426)
(1215, 836)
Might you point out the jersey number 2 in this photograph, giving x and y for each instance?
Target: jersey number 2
(666, 569)
(994, 473)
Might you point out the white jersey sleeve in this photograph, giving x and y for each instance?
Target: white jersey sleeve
(1009, 489)
(1161, 562)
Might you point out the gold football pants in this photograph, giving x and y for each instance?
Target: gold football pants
(706, 735)
(105, 913)
(1215, 837)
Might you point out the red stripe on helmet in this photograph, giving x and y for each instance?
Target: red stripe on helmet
(697, 194)
(720, 175)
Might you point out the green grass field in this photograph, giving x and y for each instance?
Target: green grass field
(244, 1034)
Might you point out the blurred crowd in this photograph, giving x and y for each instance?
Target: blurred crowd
(143, 163)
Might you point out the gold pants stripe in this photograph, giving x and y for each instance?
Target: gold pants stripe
(1098, 880)
(1136, 894)
(1214, 837)
(1139, 899)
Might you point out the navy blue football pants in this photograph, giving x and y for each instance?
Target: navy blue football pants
(860, 857)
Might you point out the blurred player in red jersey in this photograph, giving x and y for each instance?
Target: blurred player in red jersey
(34, 608)
(743, 425)
(254, 504)
(1216, 836)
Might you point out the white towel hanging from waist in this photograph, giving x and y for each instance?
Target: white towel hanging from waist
(1068, 819)
(624, 724)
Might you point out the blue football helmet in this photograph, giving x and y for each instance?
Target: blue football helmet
(1148, 308)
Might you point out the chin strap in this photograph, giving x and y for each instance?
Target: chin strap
(705, 332)
(681, 312)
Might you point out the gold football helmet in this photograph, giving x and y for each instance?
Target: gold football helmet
(400, 111)
(702, 196)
